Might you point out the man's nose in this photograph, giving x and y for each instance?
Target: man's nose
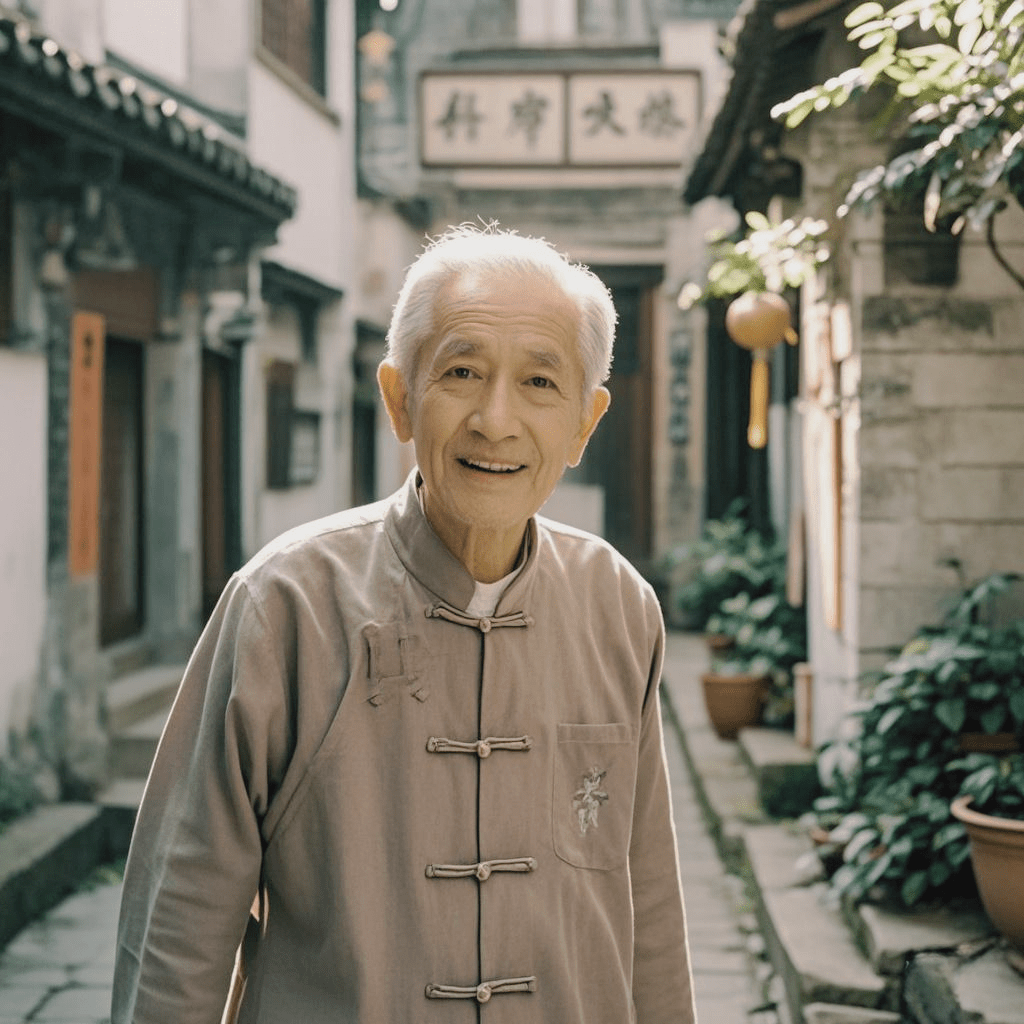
(495, 416)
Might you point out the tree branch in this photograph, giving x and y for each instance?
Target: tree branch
(990, 237)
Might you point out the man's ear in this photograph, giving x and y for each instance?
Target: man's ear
(396, 400)
(599, 403)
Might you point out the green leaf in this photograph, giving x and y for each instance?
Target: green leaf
(984, 691)
(914, 887)
(993, 718)
(939, 873)
(948, 834)
(951, 713)
(1016, 703)
(865, 12)
(889, 719)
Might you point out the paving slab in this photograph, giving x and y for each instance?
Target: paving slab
(988, 989)
(891, 936)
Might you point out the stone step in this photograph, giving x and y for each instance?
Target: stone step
(132, 749)
(44, 856)
(140, 694)
(785, 773)
(810, 943)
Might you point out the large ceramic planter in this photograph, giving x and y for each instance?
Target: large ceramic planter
(997, 856)
(734, 702)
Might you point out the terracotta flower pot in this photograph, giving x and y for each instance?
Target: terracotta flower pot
(718, 642)
(734, 701)
(997, 856)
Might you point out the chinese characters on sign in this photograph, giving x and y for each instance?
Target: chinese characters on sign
(621, 119)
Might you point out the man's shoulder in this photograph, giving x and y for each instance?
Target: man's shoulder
(329, 536)
(586, 555)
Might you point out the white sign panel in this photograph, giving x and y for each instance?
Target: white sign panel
(492, 119)
(565, 119)
(631, 118)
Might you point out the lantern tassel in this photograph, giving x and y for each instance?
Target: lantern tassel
(757, 430)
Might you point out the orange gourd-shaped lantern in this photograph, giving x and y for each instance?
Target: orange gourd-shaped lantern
(758, 321)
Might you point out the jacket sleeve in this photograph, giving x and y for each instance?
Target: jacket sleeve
(194, 864)
(662, 981)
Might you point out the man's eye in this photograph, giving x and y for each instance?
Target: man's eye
(541, 382)
(462, 372)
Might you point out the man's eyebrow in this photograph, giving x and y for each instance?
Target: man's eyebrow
(545, 357)
(455, 347)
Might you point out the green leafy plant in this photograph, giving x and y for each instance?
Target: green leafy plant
(891, 779)
(769, 257)
(953, 71)
(769, 637)
(18, 792)
(729, 558)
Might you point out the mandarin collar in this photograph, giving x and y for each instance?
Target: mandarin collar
(426, 557)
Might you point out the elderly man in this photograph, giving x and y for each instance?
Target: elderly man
(425, 734)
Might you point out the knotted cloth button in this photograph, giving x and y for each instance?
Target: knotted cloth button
(483, 872)
(483, 993)
(485, 627)
(483, 748)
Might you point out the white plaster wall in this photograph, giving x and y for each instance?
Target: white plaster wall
(150, 33)
(22, 533)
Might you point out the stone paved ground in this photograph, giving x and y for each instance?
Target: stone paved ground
(58, 970)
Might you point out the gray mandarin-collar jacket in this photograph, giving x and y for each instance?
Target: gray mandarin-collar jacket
(447, 818)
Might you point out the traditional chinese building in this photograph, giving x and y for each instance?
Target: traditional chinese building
(906, 439)
(567, 120)
(176, 216)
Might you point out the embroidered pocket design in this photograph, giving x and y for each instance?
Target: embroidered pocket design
(587, 800)
(592, 796)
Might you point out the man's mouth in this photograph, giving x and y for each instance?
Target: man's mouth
(485, 466)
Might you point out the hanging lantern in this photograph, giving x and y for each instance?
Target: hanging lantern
(758, 321)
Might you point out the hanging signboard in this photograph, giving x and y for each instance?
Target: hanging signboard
(563, 119)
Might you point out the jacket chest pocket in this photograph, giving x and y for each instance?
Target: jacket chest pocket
(592, 805)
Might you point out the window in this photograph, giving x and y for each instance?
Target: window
(293, 435)
(294, 32)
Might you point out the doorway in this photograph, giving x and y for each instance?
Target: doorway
(220, 495)
(619, 455)
(121, 595)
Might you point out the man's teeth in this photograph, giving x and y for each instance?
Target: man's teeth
(492, 467)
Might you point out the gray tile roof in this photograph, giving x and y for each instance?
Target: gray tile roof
(47, 84)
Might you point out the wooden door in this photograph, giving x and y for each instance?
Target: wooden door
(121, 493)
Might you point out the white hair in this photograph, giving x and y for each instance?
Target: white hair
(471, 251)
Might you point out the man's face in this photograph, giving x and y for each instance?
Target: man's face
(497, 409)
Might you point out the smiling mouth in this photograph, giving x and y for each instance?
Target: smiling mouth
(497, 468)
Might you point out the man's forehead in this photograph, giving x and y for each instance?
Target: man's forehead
(454, 347)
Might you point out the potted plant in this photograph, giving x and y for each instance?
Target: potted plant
(893, 773)
(754, 680)
(729, 558)
(990, 807)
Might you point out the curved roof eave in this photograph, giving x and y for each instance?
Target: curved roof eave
(46, 84)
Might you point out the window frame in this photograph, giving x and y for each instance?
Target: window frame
(280, 68)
